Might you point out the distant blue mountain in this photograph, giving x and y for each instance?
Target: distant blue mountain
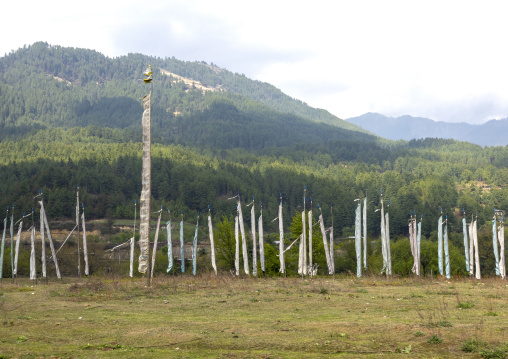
(491, 133)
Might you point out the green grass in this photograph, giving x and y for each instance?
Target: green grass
(226, 317)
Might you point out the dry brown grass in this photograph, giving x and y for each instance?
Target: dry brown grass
(226, 317)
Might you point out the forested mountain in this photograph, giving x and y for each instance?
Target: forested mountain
(491, 133)
(57, 86)
(72, 116)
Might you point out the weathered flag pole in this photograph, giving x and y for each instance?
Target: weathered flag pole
(440, 243)
(310, 265)
(33, 273)
(77, 225)
(364, 221)
(2, 245)
(212, 245)
(144, 212)
(133, 240)
(85, 247)
(303, 244)
(332, 254)
(170, 244)
(358, 237)
(281, 241)
(12, 243)
(155, 240)
(182, 247)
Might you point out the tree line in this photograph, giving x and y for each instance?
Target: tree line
(108, 172)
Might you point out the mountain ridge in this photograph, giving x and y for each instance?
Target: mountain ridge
(406, 127)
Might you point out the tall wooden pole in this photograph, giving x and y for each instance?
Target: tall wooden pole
(144, 215)
(77, 224)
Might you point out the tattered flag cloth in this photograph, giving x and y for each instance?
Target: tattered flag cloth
(245, 256)
(494, 244)
(415, 240)
(72, 231)
(500, 237)
(332, 255)
(2, 248)
(77, 225)
(131, 258)
(53, 253)
(387, 239)
(383, 239)
(195, 248)
(43, 243)
(358, 239)
(466, 246)
(310, 265)
(132, 240)
(303, 246)
(237, 248)
(170, 247)
(477, 254)
(182, 248)
(254, 245)
(123, 245)
(291, 245)
(212, 244)
(474, 265)
(155, 240)
(66, 239)
(325, 243)
(16, 256)
(33, 273)
(413, 244)
(440, 244)
(446, 250)
(12, 242)
(85, 246)
(418, 242)
(365, 233)
(471, 248)
(261, 241)
(301, 251)
(144, 212)
(282, 268)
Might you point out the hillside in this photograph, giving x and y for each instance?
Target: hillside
(491, 133)
(68, 87)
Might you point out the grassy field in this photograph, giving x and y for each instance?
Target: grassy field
(225, 317)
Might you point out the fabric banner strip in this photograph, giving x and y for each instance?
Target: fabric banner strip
(170, 247)
(144, 212)
(155, 240)
(212, 244)
(85, 246)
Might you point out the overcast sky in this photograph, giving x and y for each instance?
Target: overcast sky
(445, 60)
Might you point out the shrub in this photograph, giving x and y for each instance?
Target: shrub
(434, 340)
(465, 305)
(472, 345)
(493, 354)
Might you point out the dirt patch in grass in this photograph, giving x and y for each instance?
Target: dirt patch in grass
(93, 287)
